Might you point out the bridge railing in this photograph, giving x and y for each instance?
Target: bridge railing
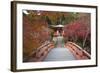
(77, 51)
(41, 52)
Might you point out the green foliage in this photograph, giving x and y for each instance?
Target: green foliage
(71, 17)
(54, 18)
(48, 20)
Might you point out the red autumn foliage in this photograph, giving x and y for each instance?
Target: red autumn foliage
(76, 30)
(34, 34)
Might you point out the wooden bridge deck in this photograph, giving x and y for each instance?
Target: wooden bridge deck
(59, 54)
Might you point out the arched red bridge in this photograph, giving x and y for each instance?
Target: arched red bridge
(48, 52)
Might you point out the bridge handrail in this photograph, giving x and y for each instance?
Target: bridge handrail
(87, 54)
(75, 45)
(41, 51)
(78, 47)
(43, 45)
